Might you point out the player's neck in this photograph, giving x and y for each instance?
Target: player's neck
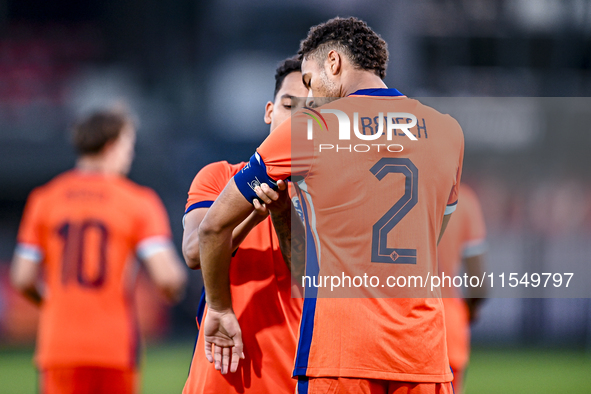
(93, 165)
(361, 79)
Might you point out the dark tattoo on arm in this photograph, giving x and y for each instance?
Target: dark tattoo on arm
(292, 240)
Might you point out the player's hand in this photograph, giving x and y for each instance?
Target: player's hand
(223, 340)
(273, 200)
(260, 211)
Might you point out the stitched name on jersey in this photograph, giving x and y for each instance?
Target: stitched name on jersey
(401, 121)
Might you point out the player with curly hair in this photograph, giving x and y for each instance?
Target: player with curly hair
(362, 46)
(373, 209)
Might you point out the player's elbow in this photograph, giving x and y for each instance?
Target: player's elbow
(18, 283)
(22, 282)
(191, 253)
(175, 287)
(209, 229)
(172, 291)
(174, 284)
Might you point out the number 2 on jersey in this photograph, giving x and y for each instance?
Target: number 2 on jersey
(73, 260)
(380, 252)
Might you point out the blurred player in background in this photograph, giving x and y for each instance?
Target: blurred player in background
(462, 245)
(355, 345)
(81, 231)
(260, 279)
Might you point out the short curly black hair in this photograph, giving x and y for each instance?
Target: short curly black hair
(285, 68)
(364, 47)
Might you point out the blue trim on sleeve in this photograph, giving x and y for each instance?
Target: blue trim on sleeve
(251, 175)
(453, 203)
(377, 92)
(200, 204)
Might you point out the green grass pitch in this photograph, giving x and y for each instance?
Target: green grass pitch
(495, 371)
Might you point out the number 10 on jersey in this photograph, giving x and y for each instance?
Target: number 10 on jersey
(74, 262)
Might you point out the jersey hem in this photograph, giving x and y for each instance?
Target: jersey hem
(371, 374)
(42, 365)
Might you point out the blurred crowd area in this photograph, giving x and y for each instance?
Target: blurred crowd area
(197, 74)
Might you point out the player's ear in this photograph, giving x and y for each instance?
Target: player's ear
(268, 112)
(334, 62)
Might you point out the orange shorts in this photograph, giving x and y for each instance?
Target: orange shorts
(368, 386)
(88, 380)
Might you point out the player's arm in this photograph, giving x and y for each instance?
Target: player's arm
(443, 226)
(192, 222)
(24, 273)
(291, 235)
(28, 255)
(155, 248)
(475, 297)
(167, 271)
(222, 334)
(473, 255)
(452, 201)
(221, 329)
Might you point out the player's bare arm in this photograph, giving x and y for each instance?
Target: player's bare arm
(166, 270)
(193, 220)
(223, 338)
(292, 237)
(443, 226)
(474, 265)
(24, 273)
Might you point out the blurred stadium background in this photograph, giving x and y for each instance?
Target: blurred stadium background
(197, 75)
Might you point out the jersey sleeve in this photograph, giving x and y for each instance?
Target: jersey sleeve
(280, 156)
(207, 185)
(452, 201)
(275, 152)
(153, 227)
(29, 238)
(475, 229)
(270, 163)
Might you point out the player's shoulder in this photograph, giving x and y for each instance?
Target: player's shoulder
(468, 196)
(53, 186)
(216, 167)
(219, 170)
(430, 111)
(466, 190)
(130, 189)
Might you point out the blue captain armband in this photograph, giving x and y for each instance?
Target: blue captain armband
(252, 175)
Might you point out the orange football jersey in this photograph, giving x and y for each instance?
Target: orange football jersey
(464, 237)
(85, 229)
(261, 288)
(370, 207)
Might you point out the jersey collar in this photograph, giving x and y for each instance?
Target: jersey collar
(377, 92)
